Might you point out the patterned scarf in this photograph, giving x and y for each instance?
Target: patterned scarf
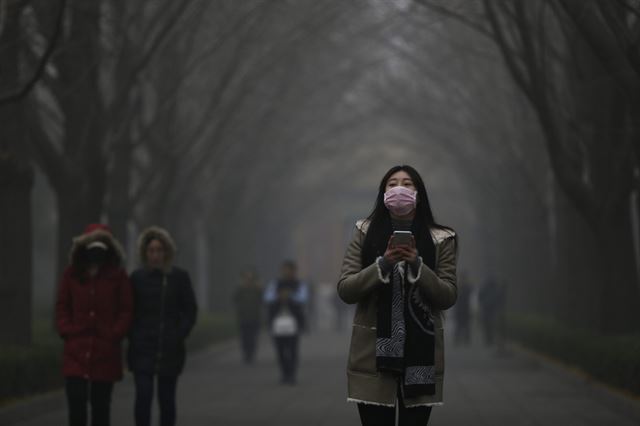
(405, 343)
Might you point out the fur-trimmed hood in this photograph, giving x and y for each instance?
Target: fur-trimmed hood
(162, 235)
(92, 234)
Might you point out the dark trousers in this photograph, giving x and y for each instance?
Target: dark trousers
(378, 415)
(249, 332)
(80, 393)
(287, 351)
(166, 398)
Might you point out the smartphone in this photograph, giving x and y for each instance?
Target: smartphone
(402, 238)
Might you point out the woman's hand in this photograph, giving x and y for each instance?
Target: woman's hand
(395, 254)
(408, 253)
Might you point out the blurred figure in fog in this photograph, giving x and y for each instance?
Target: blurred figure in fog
(247, 299)
(340, 311)
(93, 313)
(311, 311)
(492, 306)
(165, 312)
(288, 278)
(501, 317)
(325, 294)
(286, 322)
(462, 311)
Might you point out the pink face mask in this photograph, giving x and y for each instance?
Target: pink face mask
(400, 200)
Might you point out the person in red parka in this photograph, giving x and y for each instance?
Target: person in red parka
(94, 309)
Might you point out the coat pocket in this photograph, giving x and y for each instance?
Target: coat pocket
(362, 353)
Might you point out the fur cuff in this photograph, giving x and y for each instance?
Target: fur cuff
(385, 279)
(360, 401)
(412, 279)
(426, 404)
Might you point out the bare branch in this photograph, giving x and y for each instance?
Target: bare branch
(44, 60)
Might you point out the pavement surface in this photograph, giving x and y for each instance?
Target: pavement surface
(482, 388)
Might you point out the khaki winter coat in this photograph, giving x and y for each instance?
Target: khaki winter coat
(358, 285)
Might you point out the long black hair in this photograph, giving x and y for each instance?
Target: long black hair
(380, 229)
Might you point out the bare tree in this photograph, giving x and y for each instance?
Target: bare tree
(585, 115)
(16, 181)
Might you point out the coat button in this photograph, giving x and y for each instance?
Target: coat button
(93, 314)
(88, 354)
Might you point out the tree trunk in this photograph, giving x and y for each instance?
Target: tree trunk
(16, 182)
(620, 298)
(76, 209)
(119, 207)
(634, 207)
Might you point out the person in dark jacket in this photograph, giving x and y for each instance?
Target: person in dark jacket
(462, 311)
(491, 299)
(247, 299)
(164, 314)
(286, 322)
(93, 313)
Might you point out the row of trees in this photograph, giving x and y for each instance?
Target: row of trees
(578, 65)
(196, 114)
(134, 113)
(96, 95)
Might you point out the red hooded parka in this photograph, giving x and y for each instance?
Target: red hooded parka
(93, 313)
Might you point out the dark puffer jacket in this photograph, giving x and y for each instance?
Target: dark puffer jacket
(164, 313)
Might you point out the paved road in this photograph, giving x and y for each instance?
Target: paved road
(482, 389)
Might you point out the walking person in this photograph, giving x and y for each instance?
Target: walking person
(247, 299)
(489, 300)
(286, 321)
(501, 318)
(164, 314)
(462, 312)
(401, 283)
(340, 310)
(288, 278)
(93, 314)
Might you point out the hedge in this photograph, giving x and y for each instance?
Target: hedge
(614, 360)
(25, 371)
(210, 329)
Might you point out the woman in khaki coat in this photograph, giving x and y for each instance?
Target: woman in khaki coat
(401, 283)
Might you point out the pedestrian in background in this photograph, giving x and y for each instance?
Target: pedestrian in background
(288, 278)
(164, 313)
(93, 314)
(286, 322)
(247, 299)
(462, 311)
(491, 303)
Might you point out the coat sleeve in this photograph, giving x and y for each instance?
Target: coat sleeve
(269, 294)
(355, 282)
(439, 286)
(125, 308)
(64, 318)
(188, 307)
